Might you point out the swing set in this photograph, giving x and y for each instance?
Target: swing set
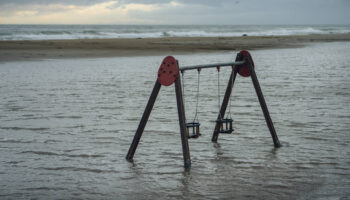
(168, 73)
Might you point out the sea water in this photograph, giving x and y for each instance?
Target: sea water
(47, 32)
(66, 126)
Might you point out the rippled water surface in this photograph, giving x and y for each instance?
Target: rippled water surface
(66, 126)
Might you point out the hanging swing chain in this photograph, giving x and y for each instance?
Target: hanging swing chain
(196, 115)
(218, 68)
(183, 88)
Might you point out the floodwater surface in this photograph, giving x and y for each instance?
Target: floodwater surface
(66, 126)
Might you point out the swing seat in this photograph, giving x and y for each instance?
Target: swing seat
(193, 129)
(225, 125)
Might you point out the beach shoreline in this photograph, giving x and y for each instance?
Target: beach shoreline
(98, 48)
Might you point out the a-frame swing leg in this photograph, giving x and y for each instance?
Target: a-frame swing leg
(181, 112)
(143, 121)
(224, 103)
(182, 123)
(263, 105)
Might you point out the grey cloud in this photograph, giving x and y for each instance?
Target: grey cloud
(47, 2)
(214, 3)
(221, 11)
(254, 12)
(121, 2)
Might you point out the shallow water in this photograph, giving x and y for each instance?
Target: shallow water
(66, 126)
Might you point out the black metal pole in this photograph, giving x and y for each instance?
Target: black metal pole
(229, 64)
(263, 104)
(143, 121)
(182, 123)
(224, 103)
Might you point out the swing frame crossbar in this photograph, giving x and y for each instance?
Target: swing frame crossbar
(168, 73)
(228, 64)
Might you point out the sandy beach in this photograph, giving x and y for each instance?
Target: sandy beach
(81, 48)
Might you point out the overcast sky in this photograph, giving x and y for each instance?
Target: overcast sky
(175, 12)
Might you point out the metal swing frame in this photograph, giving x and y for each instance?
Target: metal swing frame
(168, 73)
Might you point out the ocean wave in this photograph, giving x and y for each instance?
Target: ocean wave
(51, 32)
(44, 188)
(54, 32)
(47, 153)
(15, 128)
(78, 169)
(14, 141)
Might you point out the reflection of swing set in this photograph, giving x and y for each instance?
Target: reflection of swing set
(168, 73)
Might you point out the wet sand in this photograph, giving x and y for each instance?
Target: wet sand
(48, 49)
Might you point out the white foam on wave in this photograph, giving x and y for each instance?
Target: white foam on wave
(57, 33)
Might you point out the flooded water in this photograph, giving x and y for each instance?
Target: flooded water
(66, 126)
